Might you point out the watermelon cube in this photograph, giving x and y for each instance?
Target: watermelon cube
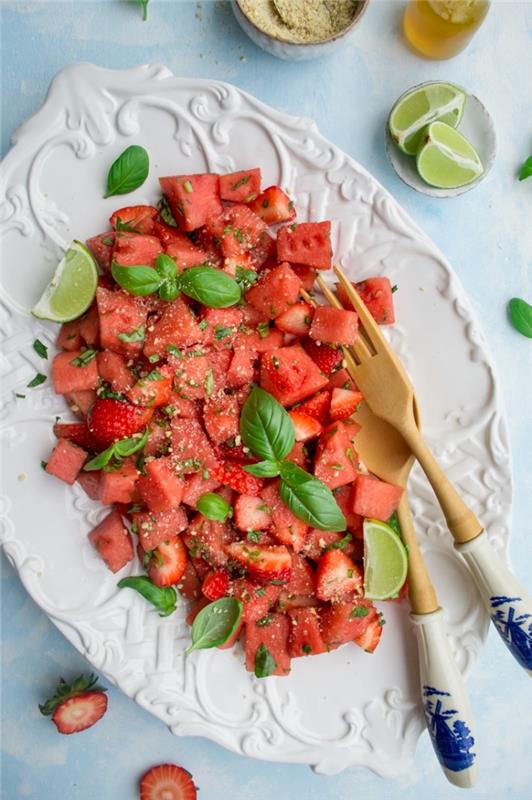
(317, 541)
(161, 489)
(176, 327)
(305, 637)
(154, 528)
(375, 498)
(89, 326)
(377, 294)
(193, 199)
(256, 599)
(274, 637)
(223, 325)
(69, 336)
(208, 539)
(119, 486)
(242, 368)
(66, 461)
(275, 292)
(140, 219)
(302, 581)
(238, 230)
(81, 402)
(154, 390)
(90, 482)
(101, 247)
(273, 206)
(121, 315)
(342, 622)
(344, 498)
(251, 513)
(194, 376)
(112, 541)
(334, 326)
(131, 249)
(191, 449)
(113, 369)
(290, 375)
(68, 377)
(240, 187)
(307, 243)
(341, 379)
(221, 416)
(184, 252)
(195, 486)
(336, 459)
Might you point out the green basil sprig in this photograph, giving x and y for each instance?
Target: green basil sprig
(205, 284)
(215, 624)
(520, 313)
(264, 469)
(265, 426)
(264, 662)
(214, 507)
(526, 169)
(128, 172)
(310, 499)
(117, 451)
(163, 598)
(144, 5)
(40, 348)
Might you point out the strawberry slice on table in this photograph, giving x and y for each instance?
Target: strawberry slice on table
(76, 706)
(327, 358)
(167, 782)
(273, 205)
(344, 402)
(337, 577)
(167, 562)
(215, 584)
(305, 427)
(231, 474)
(262, 563)
(111, 419)
(317, 407)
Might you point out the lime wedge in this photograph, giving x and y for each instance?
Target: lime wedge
(447, 160)
(385, 561)
(419, 107)
(72, 288)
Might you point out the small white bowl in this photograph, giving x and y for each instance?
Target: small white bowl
(296, 51)
(476, 124)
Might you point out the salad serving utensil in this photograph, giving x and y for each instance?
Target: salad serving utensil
(388, 392)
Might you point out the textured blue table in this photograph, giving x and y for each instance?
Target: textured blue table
(486, 235)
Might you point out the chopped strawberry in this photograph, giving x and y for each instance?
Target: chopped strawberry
(305, 427)
(327, 358)
(252, 513)
(77, 433)
(77, 706)
(232, 474)
(110, 420)
(168, 561)
(296, 319)
(338, 577)
(167, 782)
(342, 622)
(370, 638)
(317, 407)
(344, 402)
(262, 563)
(134, 219)
(216, 584)
(273, 205)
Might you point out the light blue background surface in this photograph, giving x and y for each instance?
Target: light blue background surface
(487, 236)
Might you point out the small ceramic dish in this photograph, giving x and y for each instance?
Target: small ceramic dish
(296, 51)
(476, 124)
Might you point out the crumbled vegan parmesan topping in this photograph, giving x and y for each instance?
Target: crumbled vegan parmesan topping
(300, 20)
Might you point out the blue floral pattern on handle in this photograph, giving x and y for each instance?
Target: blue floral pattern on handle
(513, 628)
(452, 740)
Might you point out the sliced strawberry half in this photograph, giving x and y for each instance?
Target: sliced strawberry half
(168, 562)
(338, 577)
(296, 319)
(76, 706)
(167, 782)
(273, 205)
(110, 419)
(344, 402)
(231, 474)
(327, 358)
(77, 433)
(215, 584)
(371, 636)
(317, 407)
(262, 563)
(305, 427)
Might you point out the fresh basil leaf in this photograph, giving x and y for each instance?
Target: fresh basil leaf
(520, 313)
(526, 169)
(128, 172)
(215, 623)
(108, 458)
(265, 426)
(264, 662)
(84, 358)
(126, 447)
(214, 507)
(163, 598)
(393, 522)
(245, 278)
(166, 267)
(169, 290)
(36, 381)
(40, 348)
(136, 335)
(209, 286)
(100, 461)
(310, 499)
(138, 280)
(264, 469)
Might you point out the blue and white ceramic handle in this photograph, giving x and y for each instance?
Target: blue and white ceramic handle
(509, 606)
(445, 704)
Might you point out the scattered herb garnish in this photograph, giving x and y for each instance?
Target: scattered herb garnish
(264, 662)
(341, 544)
(214, 507)
(21, 396)
(163, 598)
(307, 649)
(241, 182)
(526, 169)
(40, 348)
(166, 212)
(209, 383)
(221, 332)
(84, 358)
(125, 226)
(359, 611)
(263, 329)
(136, 335)
(187, 186)
(129, 171)
(36, 381)
(254, 536)
(394, 288)
(263, 622)
(520, 313)
(215, 623)
(245, 277)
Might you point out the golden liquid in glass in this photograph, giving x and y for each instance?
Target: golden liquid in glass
(442, 28)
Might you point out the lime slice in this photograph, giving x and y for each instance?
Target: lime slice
(385, 561)
(72, 288)
(419, 107)
(447, 160)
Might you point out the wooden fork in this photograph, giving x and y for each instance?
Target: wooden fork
(387, 390)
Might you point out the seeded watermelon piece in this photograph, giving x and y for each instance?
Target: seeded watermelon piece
(336, 459)
(69, 336)
(112, 541)
(158, 442)
(136, 219)
(377, 294)
(119, 486)
(286, 527)
(305, 637)
(161, 489)
(101, 247)
(342, 622)
(238, 230)
(275, 292)
(176, 327)
(306, 243)
(191, 449)
(240, 187)
(154, 528)
(131, 249)
(290, 375)
(193, 199)
(341, 379)
(184, 252)
(179, 406)
(221, 416)
(120, 316)
(242, 368)
(67, 377)
(112, 368)
(66, 461)
(195, 486)
(274, 637)
(271, 340)
(334, 326)
(375, 498)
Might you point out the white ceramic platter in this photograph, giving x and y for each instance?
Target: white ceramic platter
(337, 710)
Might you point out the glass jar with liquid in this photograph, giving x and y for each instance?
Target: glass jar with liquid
(443, 28)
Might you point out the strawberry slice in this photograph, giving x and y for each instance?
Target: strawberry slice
(317, 407)
(273, 205)
(305, 427)
(77, 706)
(327, 358)
(135, 219)
(337, 577)
(296, 319)
(110, 419)
(231, 474)
(168, 562)
(371, 636)
(167, 782)
(77, 433)
(216, 584)
(262, 563)
(344, 402)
